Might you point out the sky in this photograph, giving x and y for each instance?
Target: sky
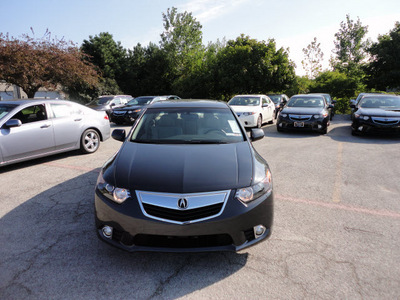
(292, 24)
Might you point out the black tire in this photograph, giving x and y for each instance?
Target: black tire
(325, 130)
(259, 121)
(279, 129)
(354, 132)
(90, 141)
(272, 121)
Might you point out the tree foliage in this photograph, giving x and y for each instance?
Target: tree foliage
(350, 47)
(32, 63)
(384, 69)
(313, 57)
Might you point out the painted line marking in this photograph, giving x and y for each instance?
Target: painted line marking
(383, 213)
(337, 191)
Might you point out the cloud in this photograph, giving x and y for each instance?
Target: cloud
(206, 10)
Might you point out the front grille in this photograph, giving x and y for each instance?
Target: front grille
(249, 234)
(199, 241)
(300, 117)
(119, 113)
(182, 215)
(385, 121)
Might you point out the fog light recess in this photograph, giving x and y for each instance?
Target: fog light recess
(107, 231)
(319, 126)
(280, 125)
(360, 128)
(259, 230)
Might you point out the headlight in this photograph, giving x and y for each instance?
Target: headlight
(358, 116)
(249, 113)
(283, 115)
(248, 194)
(116, 194)
(324, 115)
(317, 116)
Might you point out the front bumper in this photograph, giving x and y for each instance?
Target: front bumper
(232, 230)
(248, 120)
(123, 118)
(368, 126)
(311, 124)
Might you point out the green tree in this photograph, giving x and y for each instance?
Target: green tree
(110, 57)
(313, 57)
(182, 43)
(246, 65)
(384, 68)
(350, 47)
(32, 63)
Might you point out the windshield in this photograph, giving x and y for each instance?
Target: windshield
(245, 101)
(275, 98)
(5, 109)
(188, 126)
(306, 102)
(140, 101)
(102, 100)
(380, 102)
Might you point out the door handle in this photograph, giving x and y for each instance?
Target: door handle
(45, 126)
(77, 120)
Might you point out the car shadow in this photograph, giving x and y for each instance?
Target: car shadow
(50, 248)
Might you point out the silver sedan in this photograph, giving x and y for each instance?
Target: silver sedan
(34, 128)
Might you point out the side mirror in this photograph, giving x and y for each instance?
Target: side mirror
(12, 123)
(330, 106)
(257, 134)
(334, 101)
(352, 105)
(265, 105)
(119, 134)
(112, 104)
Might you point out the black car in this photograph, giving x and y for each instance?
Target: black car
(132, 110)
(109, 102)
(376, 113)
(186, 179)
(310, 112)
(355, 102)
(279, 100)
(329, 101)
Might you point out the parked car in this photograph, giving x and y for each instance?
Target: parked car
(310, 112)
(35, 128)
(186, 178)
(354, 102)
(329, 101)
(279, 100)
(132, 110)
(376, 113)
(109, 102)
(253, 110)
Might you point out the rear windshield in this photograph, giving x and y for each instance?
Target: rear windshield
(306, 102)
(103, 100)
(188, 126)
(380, 102)
(5, 109)
(245, 101)
(275, 98)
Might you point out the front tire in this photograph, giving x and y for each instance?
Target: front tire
(90, 141)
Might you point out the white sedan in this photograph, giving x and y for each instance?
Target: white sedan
(253, 110)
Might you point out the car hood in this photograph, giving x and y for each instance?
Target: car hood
(131, 107)
(182, 168)
(240, 109)
(302, 110)
(379, 112)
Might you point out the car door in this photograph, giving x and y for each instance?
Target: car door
(32, 139)
(267, 109)
(67, 125)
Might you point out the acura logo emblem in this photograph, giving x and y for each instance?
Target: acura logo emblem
(182, 203)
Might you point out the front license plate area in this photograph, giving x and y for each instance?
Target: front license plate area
(298, 124)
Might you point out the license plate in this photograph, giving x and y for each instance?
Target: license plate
(298, 124)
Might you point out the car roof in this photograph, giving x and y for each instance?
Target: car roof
(308, 95)
(249, 95)
(35, 101)
(186, 103)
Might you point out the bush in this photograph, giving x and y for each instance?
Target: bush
(342, 106)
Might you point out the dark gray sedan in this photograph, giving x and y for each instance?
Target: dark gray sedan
(34, 128)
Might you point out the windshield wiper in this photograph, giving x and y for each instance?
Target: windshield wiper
(205, 142)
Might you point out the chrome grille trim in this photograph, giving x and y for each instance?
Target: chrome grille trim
(300, 117)
(169, 202)
(385, 121)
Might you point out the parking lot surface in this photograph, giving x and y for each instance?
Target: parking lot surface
(335, 236)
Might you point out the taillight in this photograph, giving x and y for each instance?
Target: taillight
(105, 117)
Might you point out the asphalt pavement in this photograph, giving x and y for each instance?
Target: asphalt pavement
(336, 231)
